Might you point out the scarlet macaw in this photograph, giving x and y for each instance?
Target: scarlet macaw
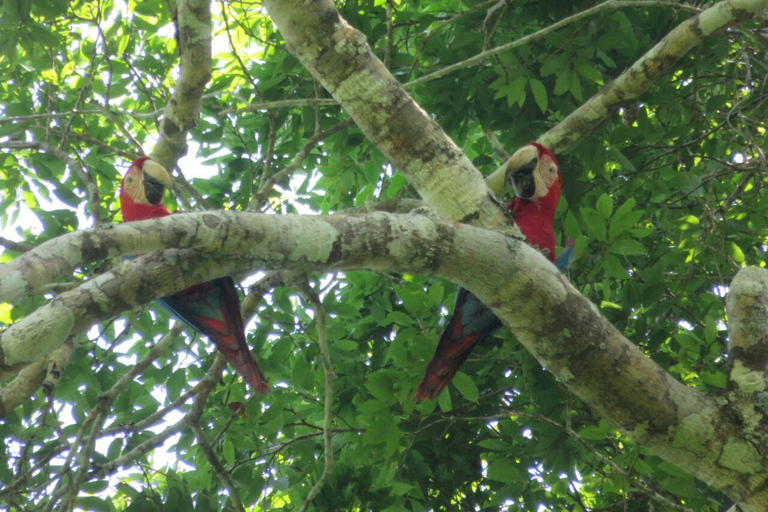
(211, 308)
(536, 180)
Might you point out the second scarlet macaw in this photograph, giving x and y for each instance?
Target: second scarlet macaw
(211, 308)
(536, 180)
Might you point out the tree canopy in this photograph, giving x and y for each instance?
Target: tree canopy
(281, 110)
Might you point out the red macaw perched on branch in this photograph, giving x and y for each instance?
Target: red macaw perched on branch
(211, 308)
(536, 180)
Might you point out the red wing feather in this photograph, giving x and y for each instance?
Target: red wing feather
(470, 324)
(213, 309)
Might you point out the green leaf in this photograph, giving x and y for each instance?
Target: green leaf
(229, 452)
(605, 206)
(95, 486)
(595, 223)
(399, 488)
(563, 82)
(399, 318)
(717, 380)
(682, 488)
(539, 94)
(436, 292)
(444, 400)
(494, 444)
(575, 87)
(466, 386)
(380, 384)
(92, 503)
(736, 253)
(590, 73)
(503, 470)
(572, 228)
(515, 91)
(594, 433)
(346, 345)
(627, 247)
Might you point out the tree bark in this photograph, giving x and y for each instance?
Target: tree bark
(182, 112)
(559, 326)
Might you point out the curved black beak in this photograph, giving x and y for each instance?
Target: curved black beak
(523, 181)
(154, 190)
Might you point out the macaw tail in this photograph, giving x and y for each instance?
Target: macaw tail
(470, 324)
(242, 361)
(445, 364)
(564, 261)
(213, 309)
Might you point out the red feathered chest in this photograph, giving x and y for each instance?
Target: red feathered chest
(535, 220)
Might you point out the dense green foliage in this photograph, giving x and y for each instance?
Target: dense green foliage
(665, 202)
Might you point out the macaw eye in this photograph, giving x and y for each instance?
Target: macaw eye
(552, 169)
(129, 179)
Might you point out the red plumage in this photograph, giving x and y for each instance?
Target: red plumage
(472, 322)
(211, 308)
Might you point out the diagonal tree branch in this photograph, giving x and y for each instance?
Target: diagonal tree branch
(339, 57)
(635, 81)
(604, 6)
(183, 110)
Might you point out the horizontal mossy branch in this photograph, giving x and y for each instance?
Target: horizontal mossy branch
(628, 86)
(560, 327)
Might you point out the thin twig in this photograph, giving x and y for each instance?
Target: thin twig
(85, 177)
(609, 4)
(218, 468)
(440, 27)
(205, 387)
(325, 356)
(390, 36)
(267, 185)
(72, 113)
(306, 102)
(15, 246)
(497, 146)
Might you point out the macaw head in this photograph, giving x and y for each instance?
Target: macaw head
(534, 174)
(142, 190)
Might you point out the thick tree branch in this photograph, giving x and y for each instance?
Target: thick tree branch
(561, 328)
(339, 57)
(183, 111)
(635, 81)
(747, 306)
(45, 373)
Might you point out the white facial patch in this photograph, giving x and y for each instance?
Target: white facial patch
(133, 185)
(544, 175)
